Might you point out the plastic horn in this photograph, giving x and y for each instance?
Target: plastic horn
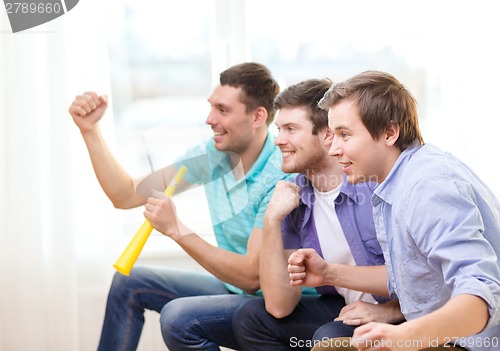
(127, 259)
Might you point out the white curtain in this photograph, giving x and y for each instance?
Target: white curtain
(59, 234)
(55, 264)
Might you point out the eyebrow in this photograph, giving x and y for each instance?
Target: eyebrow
(342, 127)
(288, 125)
(211, 99)
(219, 105)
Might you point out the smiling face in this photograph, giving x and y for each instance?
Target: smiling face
(362, 157)
(301, 150)
(230, 122)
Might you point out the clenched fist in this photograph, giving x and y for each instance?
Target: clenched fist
(88, 109)
(286, 197)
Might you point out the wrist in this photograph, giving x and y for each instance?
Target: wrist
(90, 132)
(180, 233)
(412, 330)
(272, 220)
(332, 275)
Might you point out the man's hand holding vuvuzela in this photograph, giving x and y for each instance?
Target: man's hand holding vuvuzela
(161, 213)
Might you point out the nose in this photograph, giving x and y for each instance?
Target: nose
(335, 149)
(211, 120)
(279, 139)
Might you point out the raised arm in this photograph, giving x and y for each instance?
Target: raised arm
(280, 297)
(87, 110)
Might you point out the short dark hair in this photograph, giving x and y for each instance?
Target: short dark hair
(381, 100)
(307, 94)
(257, 83)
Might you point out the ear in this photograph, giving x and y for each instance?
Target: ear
(391, 133)
(328, 138)
(260, 116)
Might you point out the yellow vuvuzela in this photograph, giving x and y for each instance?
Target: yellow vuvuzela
(127, 259)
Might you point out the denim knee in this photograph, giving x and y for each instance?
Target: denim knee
(118, 287)
(333, 330)
(122, 286)
(128, 292)
(247, 318)
(173, 324)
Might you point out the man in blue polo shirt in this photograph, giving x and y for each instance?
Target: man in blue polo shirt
(239, 167)
(321, 212)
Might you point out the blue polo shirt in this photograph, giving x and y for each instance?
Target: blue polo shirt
(237, 205)
(354, 210)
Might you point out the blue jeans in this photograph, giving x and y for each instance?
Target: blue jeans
(312, 319)
(201, 322)
(190, 319)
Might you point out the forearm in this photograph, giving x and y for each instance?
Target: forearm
(235, 269)
(392, 312)
(462, 316)
(280, 297)
(116, 183)
(369, 279)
